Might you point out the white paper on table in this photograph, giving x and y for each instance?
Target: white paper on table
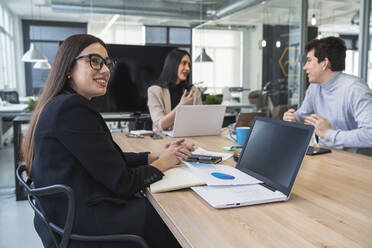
(205, 172)
(141, 132)
(168, 133)
(201, 151)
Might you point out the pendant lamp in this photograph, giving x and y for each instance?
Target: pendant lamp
(33, 55)
(43, 65)
(203, 57)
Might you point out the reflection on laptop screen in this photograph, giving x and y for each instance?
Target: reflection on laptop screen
(275, 150)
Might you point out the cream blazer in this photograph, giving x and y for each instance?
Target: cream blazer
(159, 103)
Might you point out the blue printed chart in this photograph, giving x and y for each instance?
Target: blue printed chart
(222, 176)
(215, 175)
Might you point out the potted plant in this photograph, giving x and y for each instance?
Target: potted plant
(31, 104)
(213, 99)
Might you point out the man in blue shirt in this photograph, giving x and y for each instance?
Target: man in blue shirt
(338, 105)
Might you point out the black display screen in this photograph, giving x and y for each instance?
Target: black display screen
(136, 68)
(274, 151)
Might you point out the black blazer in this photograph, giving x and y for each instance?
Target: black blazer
(73, 146)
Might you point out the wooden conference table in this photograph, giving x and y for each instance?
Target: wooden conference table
(330, 205)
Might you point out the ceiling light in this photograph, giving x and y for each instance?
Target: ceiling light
(109, 24)
(33, 55)
(278, 44)
(43, 65)
(203, 57)
(313, 20)
(263, 43)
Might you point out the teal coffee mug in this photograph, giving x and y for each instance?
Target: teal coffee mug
(241, 134)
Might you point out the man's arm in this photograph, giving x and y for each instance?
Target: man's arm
(360, 102)
(305, 109)
(307, 106)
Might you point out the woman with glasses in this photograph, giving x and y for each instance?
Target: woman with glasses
(69, 143)
(172, 90)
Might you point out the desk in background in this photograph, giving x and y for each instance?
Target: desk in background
(330, 205)
(11, 110)
(238, 107)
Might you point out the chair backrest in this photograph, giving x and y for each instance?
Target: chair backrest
(246, 119)
(65, 233)
(10, 96)
(256, 97)
(33, 196)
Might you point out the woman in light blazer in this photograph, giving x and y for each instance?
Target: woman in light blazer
(173, 89)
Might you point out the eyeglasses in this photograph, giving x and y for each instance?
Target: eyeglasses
(96, 61)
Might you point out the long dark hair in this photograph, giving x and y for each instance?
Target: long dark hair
(55, 84)
(168, 75)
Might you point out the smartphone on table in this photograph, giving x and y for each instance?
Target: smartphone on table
(314, 150)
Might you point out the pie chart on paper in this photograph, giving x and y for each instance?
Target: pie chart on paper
(222, 176)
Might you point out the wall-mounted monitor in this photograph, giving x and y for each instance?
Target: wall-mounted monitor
(136, 69)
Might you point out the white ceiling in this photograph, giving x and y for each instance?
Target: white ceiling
(333, 16)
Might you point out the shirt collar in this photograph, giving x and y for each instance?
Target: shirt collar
(331, 83)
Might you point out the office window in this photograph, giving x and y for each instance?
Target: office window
(118, 33)
(46, 36)
(7, 51)
(180, 36)
(156, 35)
(223, 46)
(169, 36)
(351, 62)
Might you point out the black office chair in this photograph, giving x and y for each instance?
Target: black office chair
(65, 233)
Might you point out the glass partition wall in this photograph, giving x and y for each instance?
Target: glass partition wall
(369, 63)
(255, 56)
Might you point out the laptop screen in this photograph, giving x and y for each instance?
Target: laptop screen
(274, 150)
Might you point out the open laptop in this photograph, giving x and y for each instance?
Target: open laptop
(197, 120)
(272, 153)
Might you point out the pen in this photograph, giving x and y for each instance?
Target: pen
(232, 148)
(205, 158)
(236, 147)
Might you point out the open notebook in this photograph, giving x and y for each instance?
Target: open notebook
(190, 175)
(197, 120)
(272, 154)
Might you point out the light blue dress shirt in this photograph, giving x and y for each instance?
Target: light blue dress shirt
(347, 103)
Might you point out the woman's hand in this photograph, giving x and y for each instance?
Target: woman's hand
(156, 155)
(174, 154)
(167, 121)
(189, 147)
(186, 98)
